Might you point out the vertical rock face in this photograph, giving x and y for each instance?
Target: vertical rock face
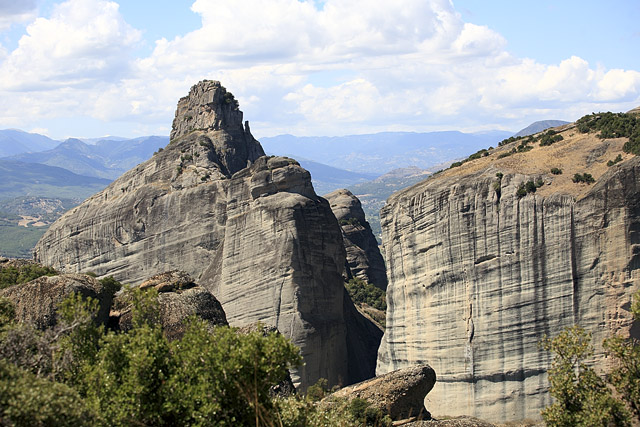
(363, 256)
(477, 275)
(247, 227)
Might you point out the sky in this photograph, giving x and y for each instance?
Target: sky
(90, 68)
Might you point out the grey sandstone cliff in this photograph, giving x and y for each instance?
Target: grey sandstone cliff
(248, 228)
(363, 255)
(477, 275)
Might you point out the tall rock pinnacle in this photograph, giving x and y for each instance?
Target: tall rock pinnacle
(247, 227)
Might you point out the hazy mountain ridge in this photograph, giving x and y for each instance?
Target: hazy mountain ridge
(539, 126)
(104, 159)
(15, 141)
(385, 151)
(34, 179)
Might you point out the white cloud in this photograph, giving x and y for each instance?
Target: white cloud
(16, 11)
(351, 66)
(84, 41)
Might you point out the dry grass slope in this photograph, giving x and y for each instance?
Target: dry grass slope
(576, 153)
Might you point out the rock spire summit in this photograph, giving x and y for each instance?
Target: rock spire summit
(209, 106)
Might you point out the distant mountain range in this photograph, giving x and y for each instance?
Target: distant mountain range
(34, 179)
(38, 172)
(105, 158)
(536, 127)
(382, 152)
(14, 141)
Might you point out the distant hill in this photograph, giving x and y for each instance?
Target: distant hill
(104, 159)
(32, 179)
(24, 220)
(373, 194)
(382, 152)
(327, 178)
(14, 141)
(539, 126)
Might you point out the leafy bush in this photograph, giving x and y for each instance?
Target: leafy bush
(364, 293)
(510, 140)
(585, 177)
(350, 221)
(618, 159)
(26, 400)
(209, 377)
(582, 398)
(556, 171)
(229, 99)
(529, 187)
(14, 275)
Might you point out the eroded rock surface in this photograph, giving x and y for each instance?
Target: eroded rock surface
(477, 275)
(37, 301)
(178, 299)
(363, 255)
(400, 394)
(248, 228)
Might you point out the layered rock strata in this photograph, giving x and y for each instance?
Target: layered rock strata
(248, 228)
(478, 275)
(363, 255)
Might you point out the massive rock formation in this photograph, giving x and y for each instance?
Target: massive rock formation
(478, 273)
(363, 256)
(247, 227)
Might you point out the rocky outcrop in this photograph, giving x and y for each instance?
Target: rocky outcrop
(178, 299)
(363, 255)
(37, 301)
(479, 274)
(399, 394)
(248, 228)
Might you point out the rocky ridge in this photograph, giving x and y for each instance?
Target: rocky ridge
(247, 227)
(363, 255)
(479, 270)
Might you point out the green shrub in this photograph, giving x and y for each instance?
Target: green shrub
(585, 177)
(365, 293)
(350, 221)
(556, 171)
(455, 165)
(26, 400)
(14, 275)
(206, 378)
(618, 159)
(581, 397)
(229, 99)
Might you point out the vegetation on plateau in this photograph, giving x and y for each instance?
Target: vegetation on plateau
(614, 125)
(581, 396)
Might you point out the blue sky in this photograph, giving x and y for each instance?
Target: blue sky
(89, 68)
